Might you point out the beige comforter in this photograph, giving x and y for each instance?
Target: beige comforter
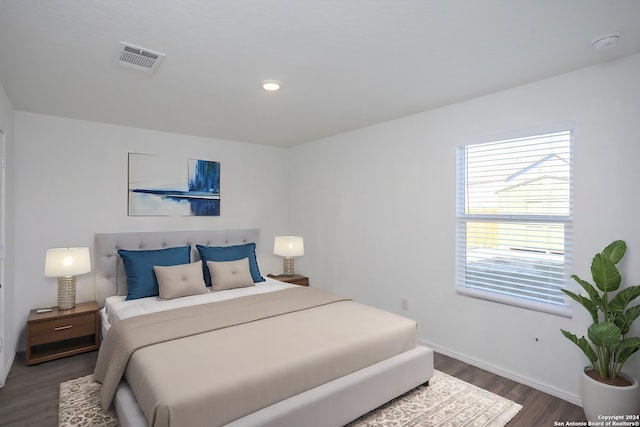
(211, 364)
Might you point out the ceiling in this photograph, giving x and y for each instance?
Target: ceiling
(344, 64)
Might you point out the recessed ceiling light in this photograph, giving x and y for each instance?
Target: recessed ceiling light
(606, 41)
(270, 85)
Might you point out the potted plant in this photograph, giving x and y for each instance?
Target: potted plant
(605, 389)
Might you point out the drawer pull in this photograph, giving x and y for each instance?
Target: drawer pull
(62, 328)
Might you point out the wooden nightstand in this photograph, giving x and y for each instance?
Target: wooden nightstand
(296, 279)
(62, 333)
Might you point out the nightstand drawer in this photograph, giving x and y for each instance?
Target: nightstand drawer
(54, 330)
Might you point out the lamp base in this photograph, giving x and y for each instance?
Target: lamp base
(288, 266)
(66, 292)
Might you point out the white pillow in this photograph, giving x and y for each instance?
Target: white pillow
(180, 280)
(230, 274)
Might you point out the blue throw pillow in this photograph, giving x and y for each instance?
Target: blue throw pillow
(141, 280)
(230, 253)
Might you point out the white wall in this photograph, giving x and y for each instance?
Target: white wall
(7, 323)
(377, 210)
(71, 182)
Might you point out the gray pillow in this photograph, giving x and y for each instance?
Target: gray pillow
(230, 274)
(180, 280)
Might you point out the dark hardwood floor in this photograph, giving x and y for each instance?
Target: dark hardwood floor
(30, 395)
(538, 409)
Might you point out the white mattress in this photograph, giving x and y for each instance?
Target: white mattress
(116, 308)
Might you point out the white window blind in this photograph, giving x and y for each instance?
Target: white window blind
(514, 217)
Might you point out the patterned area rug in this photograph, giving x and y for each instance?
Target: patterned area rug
(447, 402)
(80, 405)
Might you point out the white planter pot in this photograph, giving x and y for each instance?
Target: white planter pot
(601, 400)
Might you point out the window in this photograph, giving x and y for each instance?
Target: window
(514, 213)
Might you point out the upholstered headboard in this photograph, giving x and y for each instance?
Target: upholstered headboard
(109, 267)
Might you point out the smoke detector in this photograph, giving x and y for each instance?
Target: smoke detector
(137, 58)
(606, 41)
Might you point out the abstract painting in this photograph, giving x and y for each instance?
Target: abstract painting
(170, 186)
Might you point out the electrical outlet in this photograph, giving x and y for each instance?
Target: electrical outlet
(404, 304)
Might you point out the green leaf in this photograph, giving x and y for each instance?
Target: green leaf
(583, 344)
(626, 319)
(633, 313)
(589, 289)
(626, 348)
(605, 273)
(632, 342)
(588, 304)
(605, 334)
(615, 251)
(624, 297)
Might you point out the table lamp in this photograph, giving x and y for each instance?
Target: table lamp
(288, 247)
(65, 264)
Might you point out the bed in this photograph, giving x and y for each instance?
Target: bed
(269, 354)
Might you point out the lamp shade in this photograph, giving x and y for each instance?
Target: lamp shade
(288, 246)
(67, 262)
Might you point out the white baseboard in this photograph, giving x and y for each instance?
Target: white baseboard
(571, 398)
(7, 366)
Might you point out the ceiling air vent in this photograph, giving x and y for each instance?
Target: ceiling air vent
(137, 58)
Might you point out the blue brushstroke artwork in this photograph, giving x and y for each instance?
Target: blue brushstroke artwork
(170, 187)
